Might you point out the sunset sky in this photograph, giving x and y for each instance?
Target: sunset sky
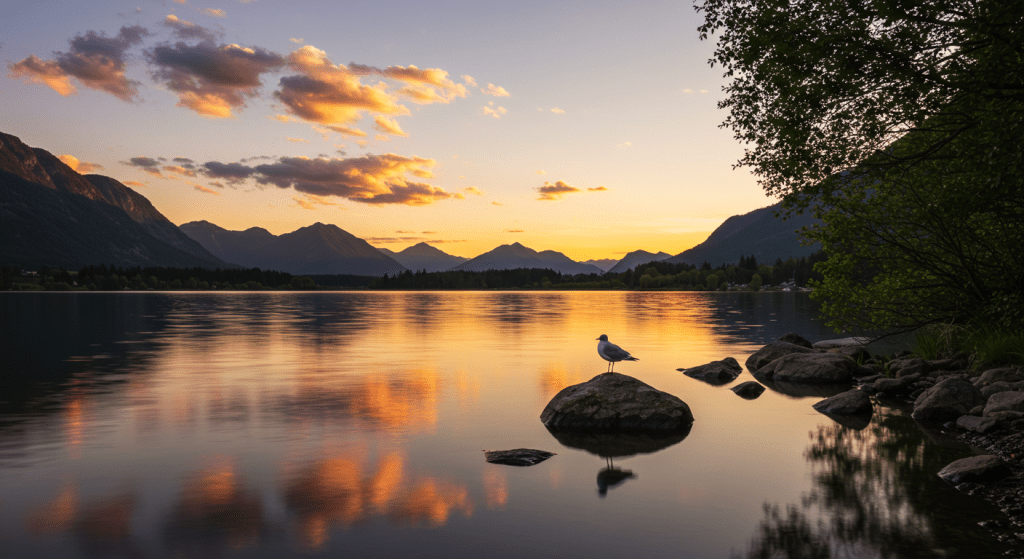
(589, 128)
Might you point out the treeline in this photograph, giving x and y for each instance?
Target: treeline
(748, 274)
(113, 278)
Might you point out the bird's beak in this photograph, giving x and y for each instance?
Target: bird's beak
(597, 338)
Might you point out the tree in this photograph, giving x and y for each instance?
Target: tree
(901, 123)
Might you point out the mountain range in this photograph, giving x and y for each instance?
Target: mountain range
(52, 215)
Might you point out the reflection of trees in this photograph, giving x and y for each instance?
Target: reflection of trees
(875, 494)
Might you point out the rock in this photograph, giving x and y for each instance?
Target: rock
(891, 387)
(748, 390)
(997, 387)
(796, 339)
(617, 402)
(851, 402)
(855, 352)
(517, 457)
(861, 371)
(911, 366)
(841, 342)
(815, 368)
(716, 372)
(803, 390)
(979, 425)
(619, 444)
(771, 352)
(1006, 415)
(977, 410)
(976, 469)
(946, 401)
(945, 364)
(1006, 374)
(1004, 401)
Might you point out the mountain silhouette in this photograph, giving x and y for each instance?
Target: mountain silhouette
(510, 257)
(52, 215)
(317, 249)
(423, 256)
(636, 258)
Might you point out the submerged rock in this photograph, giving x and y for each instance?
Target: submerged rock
(771, 352)
(716, 372)
(851, 402)
(617, 402)
(811, 368)
(947, 400)
(748, 390)
(517, 457)
(976, 469)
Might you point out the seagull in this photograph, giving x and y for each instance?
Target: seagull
(612, 353)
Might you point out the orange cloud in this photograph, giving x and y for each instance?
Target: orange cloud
(515, 231)
(310, 202)
(209, 79)
(495, 91)
(598, 189)
(325, 93)
(558, 111)
(202, 188)
(370, 179)
(94, 60)
(385, 124)
(497, 203)
(473, 190)
(179, 170)
(212, 12)
(79, 166)
(430, 85)
(187, 30)
(469, 81)
(135, 184)
(491, 110)
(297, 140)
(555, 191)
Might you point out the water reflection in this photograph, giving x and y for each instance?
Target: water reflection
(101, 526)
(875, 494)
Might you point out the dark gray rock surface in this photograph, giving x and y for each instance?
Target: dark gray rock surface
(771, 352)
(748, 390)
(947, 400)
(796, 339)
(1005, 374)
(977, 424)
(975, 469)
(1004, 401)
(808, 368)
(616, 402)
(517, 457)
(716, 372)
(851, 402)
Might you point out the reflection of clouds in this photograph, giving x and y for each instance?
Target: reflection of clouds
(495, 488)
(338, 491)
(102, 526)
(215, 509)
(56, 515)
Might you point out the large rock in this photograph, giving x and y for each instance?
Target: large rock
(1004, 401)
(517, 457)
(771, 352)
(977, 424)
(796, 339)
(613, 401)
(947, 400)
(1003, 374)
(716, 372)
(855, 352)
(909, 366)
(976, 469)
(810, 368)
(841, 342)
(748, 390)
(851, 402)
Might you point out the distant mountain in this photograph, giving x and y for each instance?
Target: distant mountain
(603, 263)
(636, 258)
(50, 214)
(423, 256)
(317, 249)
(510, 257)
(759, 233)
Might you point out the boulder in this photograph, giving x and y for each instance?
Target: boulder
(1004, 401)
(716, 372)
(796, 339)
(748, 390)
(980, 425)
(976, 469)
(946, 401)
(911, 366)
(841, 342)
(892, 387)
(614, 401)
(1000, 386)
(517, 457)
(771, 352)
(805, 390)
(1005, 374)
(851, 402)
(812, 368)
(855, 352)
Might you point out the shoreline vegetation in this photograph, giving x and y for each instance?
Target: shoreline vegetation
(790, 275)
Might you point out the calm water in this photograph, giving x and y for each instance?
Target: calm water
(352, 425)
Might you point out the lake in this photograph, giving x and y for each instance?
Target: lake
(353, 423)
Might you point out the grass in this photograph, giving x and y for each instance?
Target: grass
(983, 346)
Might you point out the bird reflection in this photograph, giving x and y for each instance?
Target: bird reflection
(611, 477)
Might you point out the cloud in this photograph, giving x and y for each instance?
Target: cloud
(473, 190)
(297, 41)
(94, 60)
(389, 125)
(325, 93)
(179, 170)
(202, 188)
(234, 173)
(79, 166)
(687, 90)
(497, 203)
(187, 30)
(491, 110)
(558, 111)
(382, 138)
(495, 91)
(429, 85)
(515, 231)
(469, 81)
(703, 91)
(209, 79)
(310, 202)
(429, 232)
(297, 140)
(555, 191)
(135, 184)
(390, 240)
(145, 164)
(541, 173)
(369, 179)
(598, 189)
(213, 12)
(625, 144)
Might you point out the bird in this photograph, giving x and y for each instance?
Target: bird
(612, 353)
